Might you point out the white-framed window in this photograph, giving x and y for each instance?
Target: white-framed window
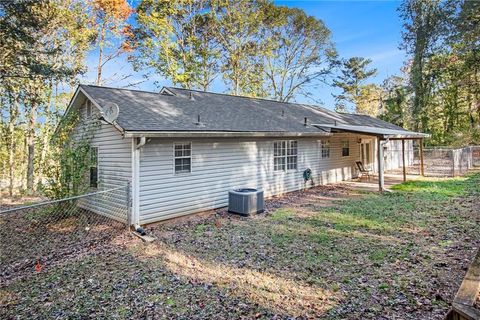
(89, 109)
(345, 148)
(93, 164)
(325, 148)
(183, 157)
(285, 155)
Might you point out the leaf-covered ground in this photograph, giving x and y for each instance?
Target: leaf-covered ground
(327, 253)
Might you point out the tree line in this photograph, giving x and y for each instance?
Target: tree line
(254, 48)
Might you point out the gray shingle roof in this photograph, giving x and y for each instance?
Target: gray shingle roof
(151, 111)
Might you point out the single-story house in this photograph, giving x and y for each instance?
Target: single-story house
(182, 150)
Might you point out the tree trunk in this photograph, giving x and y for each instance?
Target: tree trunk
(31, 147)
(11, 151)
(100, 53)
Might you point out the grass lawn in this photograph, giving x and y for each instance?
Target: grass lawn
(359, 256)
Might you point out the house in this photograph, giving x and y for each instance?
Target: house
(183, 149)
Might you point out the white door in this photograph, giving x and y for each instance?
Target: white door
(366, 153)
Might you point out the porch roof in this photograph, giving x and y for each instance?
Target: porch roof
(383, 133)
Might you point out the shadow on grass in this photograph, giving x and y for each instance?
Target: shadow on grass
(138, 281)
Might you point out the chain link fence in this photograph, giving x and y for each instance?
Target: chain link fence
(440, 162)
(41, 235)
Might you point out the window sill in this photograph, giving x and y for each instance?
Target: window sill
(286, 171)
(182, 173)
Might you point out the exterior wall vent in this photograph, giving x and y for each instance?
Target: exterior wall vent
(245, 201)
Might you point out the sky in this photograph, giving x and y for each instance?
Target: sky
(370, 29)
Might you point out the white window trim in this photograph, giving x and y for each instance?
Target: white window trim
(327, 141)
(285, 156)
(191, 158)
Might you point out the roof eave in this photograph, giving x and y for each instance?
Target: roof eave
(384, 133)
(220, 134)
(415, 135)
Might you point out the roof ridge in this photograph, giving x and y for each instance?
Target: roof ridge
(114, 88)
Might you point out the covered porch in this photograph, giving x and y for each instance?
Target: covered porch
(382, 136)
(389, 180)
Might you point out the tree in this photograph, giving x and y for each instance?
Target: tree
(41, 43)
(369, 100)
(422, 31)
(465, 41)
(353, 73)
(301, 54)
(110, 24)
(237, 28)
(177, 40)
(395, 100)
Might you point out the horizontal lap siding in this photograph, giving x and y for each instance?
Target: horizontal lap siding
(393, 156)
(114, 169)
(221, 165)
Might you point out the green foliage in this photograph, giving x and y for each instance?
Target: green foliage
(442, 39)
(69, 162)
(42, 47)
(177, 40)
(353, 73)
(395, 101)
(258, 48)
(300, 55)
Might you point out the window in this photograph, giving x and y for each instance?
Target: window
(183, 157)
(325, 146)
(94, 167)
(285, 155)
(345, 148)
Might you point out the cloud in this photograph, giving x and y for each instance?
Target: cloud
(386, 55)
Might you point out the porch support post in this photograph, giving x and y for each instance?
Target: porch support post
(403, 161)
(381, 178)
(422, 172)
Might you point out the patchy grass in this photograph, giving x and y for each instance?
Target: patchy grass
(371, 256)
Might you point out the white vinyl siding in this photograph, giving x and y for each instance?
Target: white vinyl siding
(114, 165)
(393, 154)
(224, 164)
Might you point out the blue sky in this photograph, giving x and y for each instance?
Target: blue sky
(370, 29)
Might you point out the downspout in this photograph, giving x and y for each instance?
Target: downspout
(136, 147)
(141, 143)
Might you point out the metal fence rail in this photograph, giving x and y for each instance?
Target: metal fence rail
(42, 234)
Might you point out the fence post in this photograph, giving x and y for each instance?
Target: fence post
(129, 204)
(453, 162)
(422, 172)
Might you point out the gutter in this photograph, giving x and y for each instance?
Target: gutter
(220, 134)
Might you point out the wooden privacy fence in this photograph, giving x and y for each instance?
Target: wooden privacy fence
(464, 305)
